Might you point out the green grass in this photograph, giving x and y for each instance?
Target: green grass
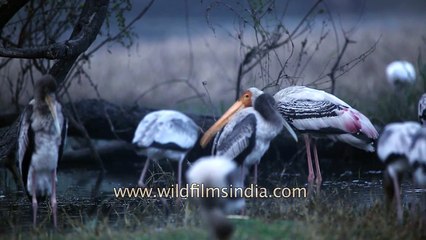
(326, 216)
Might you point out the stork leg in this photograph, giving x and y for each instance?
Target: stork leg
(53, 199)
(141, 182)
(180, 172)
(255, 174)
(34, 199)
(179, 181)
(311, 175)
(243, 174)
(397, 197)
(318, 179)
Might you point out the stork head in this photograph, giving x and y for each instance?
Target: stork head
(44, 91)
(247, 99)
(46, 85)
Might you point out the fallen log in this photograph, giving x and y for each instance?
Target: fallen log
(107, 121)
(102, 120)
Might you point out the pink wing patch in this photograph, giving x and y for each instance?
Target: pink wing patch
(351, 120)
(356, 122)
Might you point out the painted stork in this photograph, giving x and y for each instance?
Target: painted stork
(417, 157)
(393, 148)
(41, 138)
(251, 123)
(216, 172)
(400, 73)
(317, 113)
(422, 109)
(165, 134)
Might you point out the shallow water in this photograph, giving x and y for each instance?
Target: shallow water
(77, 201)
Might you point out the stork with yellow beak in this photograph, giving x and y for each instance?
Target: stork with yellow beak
(246, 129)
(42, 133)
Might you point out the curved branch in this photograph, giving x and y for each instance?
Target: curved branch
(8, 10)
(84, 33)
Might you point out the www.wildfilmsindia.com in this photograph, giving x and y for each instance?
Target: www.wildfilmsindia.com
(200, 191)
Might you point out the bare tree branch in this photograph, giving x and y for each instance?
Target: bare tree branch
(257, 53)
(8, 10)
(87, 28)
(332, 73)
(126, 28)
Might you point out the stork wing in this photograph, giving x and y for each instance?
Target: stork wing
(178, 134)
(237, 138)
(166, 129)
(417, 152)
(396, 139)
(318, 116)
(63, 138)
(25, 143)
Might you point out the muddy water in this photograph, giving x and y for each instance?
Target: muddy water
(77, 200)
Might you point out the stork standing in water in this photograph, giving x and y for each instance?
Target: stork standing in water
(42, 133)
(422, 109)
(393, 149)
(417, 156)
(400, 74)
(165, 134)
(216, 172)
(315, 112)
(251, 124)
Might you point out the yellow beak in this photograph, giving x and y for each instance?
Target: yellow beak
(52, 109)
(219, 124)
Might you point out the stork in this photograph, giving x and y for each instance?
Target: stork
(248, 127)
(417, 157)
(41, 138)
(393, 149)
(317, 113)
(422, 109)
(165, 134)
(222, 173)
(400, 73)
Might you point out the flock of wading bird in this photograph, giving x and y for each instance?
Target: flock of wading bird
(241, 137)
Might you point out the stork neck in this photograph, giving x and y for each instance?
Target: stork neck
(265, 105)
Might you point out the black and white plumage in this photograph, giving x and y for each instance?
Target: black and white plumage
(216, 172)
(400, 73)
(422, 109)
(315, 112)
(393, 148)
(165, 134)
(247, 129)
(41, 138)
(417, 157)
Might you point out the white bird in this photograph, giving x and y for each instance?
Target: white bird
(417, 157)
(422, 109)
(165, 134)
(393, 149)
(315, 112)
(218, 172)
(41, 137)
(400, 73)
(248, 127)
